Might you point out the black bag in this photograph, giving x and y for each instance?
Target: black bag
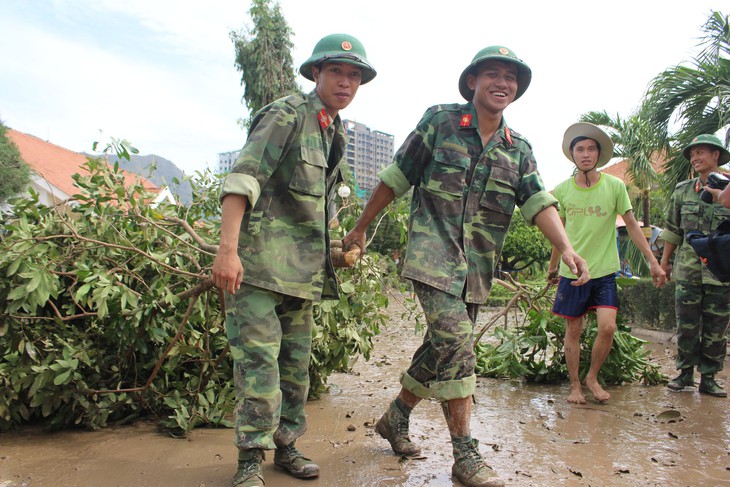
(713, 249)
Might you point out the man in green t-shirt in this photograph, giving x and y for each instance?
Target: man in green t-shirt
(589, 202)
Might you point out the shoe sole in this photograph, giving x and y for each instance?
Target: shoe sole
(713, 394)
(493, 482)
(299, 475)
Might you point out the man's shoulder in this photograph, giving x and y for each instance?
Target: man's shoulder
(565, 183)
(289, 107)
(445, 110)
(293, 101)
(562, 187)
(517, 136)
(685, 184)
(685, 189)
(614, 181)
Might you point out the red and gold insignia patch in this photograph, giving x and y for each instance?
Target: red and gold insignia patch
(465, 120)
(508, 136)
(698, 186)
(346, 46)
(324, 118)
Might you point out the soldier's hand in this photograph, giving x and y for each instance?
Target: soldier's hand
(227, 271)
(354, 238)
(577, 266)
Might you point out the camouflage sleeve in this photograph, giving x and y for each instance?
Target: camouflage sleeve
(531, 196)
(269, 138)
(394, 178)
(672, 233)
(537, 202)
(412, 156)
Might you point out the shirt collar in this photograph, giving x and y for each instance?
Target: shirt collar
(468, 120)
(323, 117)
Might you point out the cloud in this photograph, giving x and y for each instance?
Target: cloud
(160, 73)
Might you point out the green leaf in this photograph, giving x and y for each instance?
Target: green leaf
(14, 266)
(62, 378)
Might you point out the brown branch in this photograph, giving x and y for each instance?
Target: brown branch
(120, 247)
(200, 288)
(502, 313)
(204, 246)
(158, 365)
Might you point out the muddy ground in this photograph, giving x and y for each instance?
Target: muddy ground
(645, 436)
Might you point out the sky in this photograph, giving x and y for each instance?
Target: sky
(161, 74)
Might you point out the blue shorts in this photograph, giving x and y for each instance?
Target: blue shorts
(576, 301)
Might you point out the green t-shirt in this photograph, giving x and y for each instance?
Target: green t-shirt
(590, 222)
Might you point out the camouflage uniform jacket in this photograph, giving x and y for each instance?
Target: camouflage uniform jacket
(688, 212)
(289, 169)
(463, 199)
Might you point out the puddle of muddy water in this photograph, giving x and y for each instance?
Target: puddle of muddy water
(645, 436)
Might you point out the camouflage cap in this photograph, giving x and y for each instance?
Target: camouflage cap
(589, 131)
(341, 48)
(499, 53)
(708, 139)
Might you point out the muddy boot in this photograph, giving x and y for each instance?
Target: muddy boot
(393, 426)
(469, 466)
(249, 472)
(684, 379)
(710, 387)
(292, 460)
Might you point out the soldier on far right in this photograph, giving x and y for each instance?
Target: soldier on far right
(702, 301)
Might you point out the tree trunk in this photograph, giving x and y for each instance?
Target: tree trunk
(645, 207)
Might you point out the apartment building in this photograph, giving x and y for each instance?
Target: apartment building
(368, 151)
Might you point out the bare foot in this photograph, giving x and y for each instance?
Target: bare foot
(598, 392)
(576, 394)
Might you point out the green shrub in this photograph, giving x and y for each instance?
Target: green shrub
(108, 314)
(644, 305)
(533, 350)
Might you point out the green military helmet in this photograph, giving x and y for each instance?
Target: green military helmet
(499, 53)
(708, 139)
(339, 47)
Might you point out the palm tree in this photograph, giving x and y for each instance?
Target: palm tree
(695, 97)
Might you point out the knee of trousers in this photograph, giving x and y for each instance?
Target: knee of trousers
(440, 390)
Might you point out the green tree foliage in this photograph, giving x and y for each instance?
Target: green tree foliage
(695, 97)
(524, 246)
(533, 349)
(263, 56)
(15, 172)
(107, 311)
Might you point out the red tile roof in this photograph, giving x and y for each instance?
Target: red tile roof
(620, 169)
(57, 164)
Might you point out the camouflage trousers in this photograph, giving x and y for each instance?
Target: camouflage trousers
(270, 337)
(702, 312)
(443, 366)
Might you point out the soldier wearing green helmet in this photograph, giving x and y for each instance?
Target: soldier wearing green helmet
(468, 171)
(273, 260)
(341, 48)
(702, 305)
